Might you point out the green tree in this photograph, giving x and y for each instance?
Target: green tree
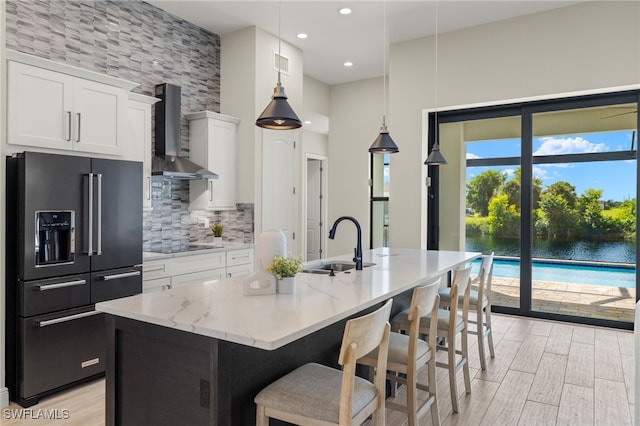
(482, 188)
(564, 190)
(592, 223)
(512, 189)
(503, 218)
(556, 218)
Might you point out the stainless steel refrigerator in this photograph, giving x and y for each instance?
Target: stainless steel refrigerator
(74, 238)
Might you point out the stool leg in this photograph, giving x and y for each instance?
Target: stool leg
(465, 356)
(487, 314)
(412, 397)
(480, 330)
(261, 417)
(431, 366)
(451, 352)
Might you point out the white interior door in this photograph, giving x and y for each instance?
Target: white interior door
(279, 171)
(314, 209)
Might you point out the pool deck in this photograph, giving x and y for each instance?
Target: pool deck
(604, 302)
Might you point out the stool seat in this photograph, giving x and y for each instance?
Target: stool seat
(399, 349)
(445, 298)
(312, 391)
(401, 321)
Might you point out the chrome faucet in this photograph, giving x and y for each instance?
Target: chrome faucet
(358, 250)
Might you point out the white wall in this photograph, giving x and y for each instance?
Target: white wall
(356, 116)
(247, 79)
(588, 46)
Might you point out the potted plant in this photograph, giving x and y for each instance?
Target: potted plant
(217, 234)
(285, 269)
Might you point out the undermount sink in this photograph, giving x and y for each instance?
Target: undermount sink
(325, 268)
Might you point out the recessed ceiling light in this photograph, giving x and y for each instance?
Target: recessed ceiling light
(344, 11)
(303, 35)
(307, 122)
(348, 64)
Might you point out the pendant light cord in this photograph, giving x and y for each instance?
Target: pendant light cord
(436, 142)
(279, 39)
(384, 62)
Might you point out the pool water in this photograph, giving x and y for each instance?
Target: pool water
(593, 274)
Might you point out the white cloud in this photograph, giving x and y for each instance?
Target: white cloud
(558, 146)
(471, 156)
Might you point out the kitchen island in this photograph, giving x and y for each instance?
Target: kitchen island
(199, 354)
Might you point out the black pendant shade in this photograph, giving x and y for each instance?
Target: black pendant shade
(383, 143)
(435, 158)
(278, 115)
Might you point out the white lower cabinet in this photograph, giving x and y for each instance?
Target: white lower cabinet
(172, 272)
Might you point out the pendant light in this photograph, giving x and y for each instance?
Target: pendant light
(436, 158)
(383, 143)
(278, 115)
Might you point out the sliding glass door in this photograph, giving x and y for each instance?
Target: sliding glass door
(551, 188)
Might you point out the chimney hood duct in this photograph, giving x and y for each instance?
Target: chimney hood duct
(167, 161)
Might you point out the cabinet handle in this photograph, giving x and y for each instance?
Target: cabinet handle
(61, 285)
(99, 207)
(122, 275)
(68, 125)
(90, 221)
(210, 190)
(67, 318)
(78, 135)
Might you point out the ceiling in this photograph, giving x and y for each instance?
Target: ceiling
(358, 37)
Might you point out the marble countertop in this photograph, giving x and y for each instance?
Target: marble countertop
(198, 248)
(219, 309)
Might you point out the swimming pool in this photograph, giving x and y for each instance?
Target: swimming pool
(567, 272)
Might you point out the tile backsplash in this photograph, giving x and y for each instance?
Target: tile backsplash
(136, 41)
(172, 227)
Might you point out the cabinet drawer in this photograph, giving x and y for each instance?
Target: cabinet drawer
(115, 283)
(197, 277)
(156, 285)
(197, 262)
(153, 269)
(49, 295)
(61, 348)
(239, 270)
(239, 257)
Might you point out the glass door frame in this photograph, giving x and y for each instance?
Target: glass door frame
(526, 110)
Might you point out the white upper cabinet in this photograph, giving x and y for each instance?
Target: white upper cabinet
(139, 139)
(55, 106)
(213, 145)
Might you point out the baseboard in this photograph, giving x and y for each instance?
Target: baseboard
(4, 397)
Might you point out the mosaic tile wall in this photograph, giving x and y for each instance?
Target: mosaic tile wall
(170, 227)
(136, 41)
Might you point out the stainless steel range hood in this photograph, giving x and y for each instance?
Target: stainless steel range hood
(167, 161)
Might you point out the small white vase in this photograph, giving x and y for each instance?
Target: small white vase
(287, 285)
(217, 241)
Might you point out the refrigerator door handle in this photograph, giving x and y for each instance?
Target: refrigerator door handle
(122, 275)
(67, 318)
(99, 206)
(90, 221)
(61, 285)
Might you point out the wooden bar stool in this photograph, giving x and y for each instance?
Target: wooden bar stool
(480, 302)
(450, 323)
(309, 394)
(408, 353)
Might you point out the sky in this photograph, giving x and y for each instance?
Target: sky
(616, 178)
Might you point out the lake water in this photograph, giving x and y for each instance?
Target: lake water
(598, 251)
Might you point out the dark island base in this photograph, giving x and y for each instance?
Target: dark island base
(161, 376)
